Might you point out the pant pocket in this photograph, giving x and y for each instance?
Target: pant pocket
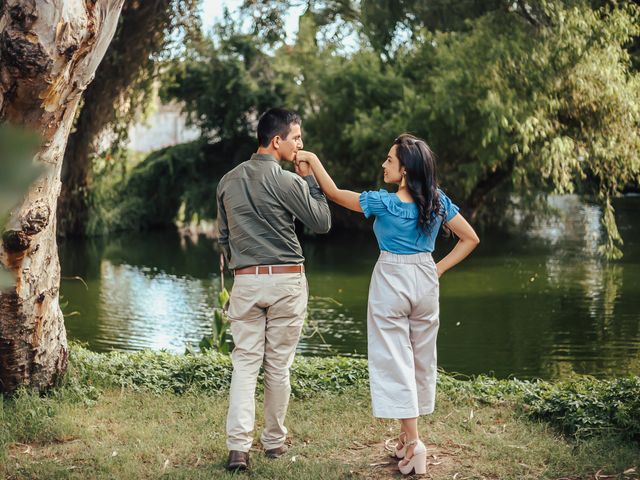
(243, 302)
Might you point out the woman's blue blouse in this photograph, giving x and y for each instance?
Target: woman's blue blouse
(396, 224)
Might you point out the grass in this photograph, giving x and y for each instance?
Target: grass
(108, 431)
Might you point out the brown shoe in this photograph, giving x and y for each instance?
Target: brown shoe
(238, 460)
(276, 452)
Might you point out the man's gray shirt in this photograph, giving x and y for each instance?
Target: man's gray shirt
(258, 202)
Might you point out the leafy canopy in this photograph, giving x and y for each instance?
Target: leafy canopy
(518, 100)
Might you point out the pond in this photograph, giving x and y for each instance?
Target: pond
(534, 301)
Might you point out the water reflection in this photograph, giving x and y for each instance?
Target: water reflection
(152, 309)
(528, 303)
(599, 331)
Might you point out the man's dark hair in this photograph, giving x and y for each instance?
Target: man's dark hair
(276, 121)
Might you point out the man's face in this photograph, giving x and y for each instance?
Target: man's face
(288, 147)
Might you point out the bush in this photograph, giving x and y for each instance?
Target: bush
(173, 184)
(157, 372)
(210, 372)
(586, 406)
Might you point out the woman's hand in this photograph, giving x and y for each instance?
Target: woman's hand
(304, 162)
(307, 157)
(302, 167)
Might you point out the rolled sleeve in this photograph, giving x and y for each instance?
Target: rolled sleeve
(314, 189)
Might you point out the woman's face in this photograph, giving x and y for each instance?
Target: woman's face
(391, 166)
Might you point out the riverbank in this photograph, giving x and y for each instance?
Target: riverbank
(153, 414)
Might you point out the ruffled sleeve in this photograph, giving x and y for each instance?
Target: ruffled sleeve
(447, 207)
(382, 203)
(372, 204)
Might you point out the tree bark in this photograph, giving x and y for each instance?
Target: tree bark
(49, 52)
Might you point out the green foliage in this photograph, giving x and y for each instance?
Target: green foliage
(332, 374)
(225, 84)
(217, 340)
(512, 106)
(586, 406)
(381, 21)
(486, 389)
(30, 418)
(517, 99)
(582, 406)
(172, 184)
(156, 372)
(207, 372)
(148, 34)
(123, 91)
(19, 146)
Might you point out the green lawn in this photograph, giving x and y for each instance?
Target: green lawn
(128, 434)
(159, 415)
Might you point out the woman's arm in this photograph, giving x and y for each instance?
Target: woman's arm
(468, 240)
(345, 198)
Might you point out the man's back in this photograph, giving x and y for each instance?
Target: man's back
(257, 204)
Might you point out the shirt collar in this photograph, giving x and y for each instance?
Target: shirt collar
(263, 157)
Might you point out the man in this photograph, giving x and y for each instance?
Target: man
(257, 204)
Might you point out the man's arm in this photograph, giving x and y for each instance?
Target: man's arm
(307, 203)
(223, 228)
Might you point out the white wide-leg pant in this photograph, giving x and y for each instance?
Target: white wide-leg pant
(402, 322)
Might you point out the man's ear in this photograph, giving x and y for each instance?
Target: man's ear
(275, 142)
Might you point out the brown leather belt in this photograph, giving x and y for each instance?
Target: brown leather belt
(266, 269)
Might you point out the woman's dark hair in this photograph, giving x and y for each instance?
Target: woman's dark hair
(276, 121)
(420, 164)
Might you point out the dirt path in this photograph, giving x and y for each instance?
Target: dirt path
(442, 461)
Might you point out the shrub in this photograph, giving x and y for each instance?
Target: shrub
(587, 406)
(204, 372)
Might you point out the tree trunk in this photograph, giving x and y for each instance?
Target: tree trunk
(142, 32)
(49, 52)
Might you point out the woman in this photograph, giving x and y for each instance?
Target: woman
(403, 312)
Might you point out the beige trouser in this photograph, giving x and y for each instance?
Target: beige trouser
(266, 312)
